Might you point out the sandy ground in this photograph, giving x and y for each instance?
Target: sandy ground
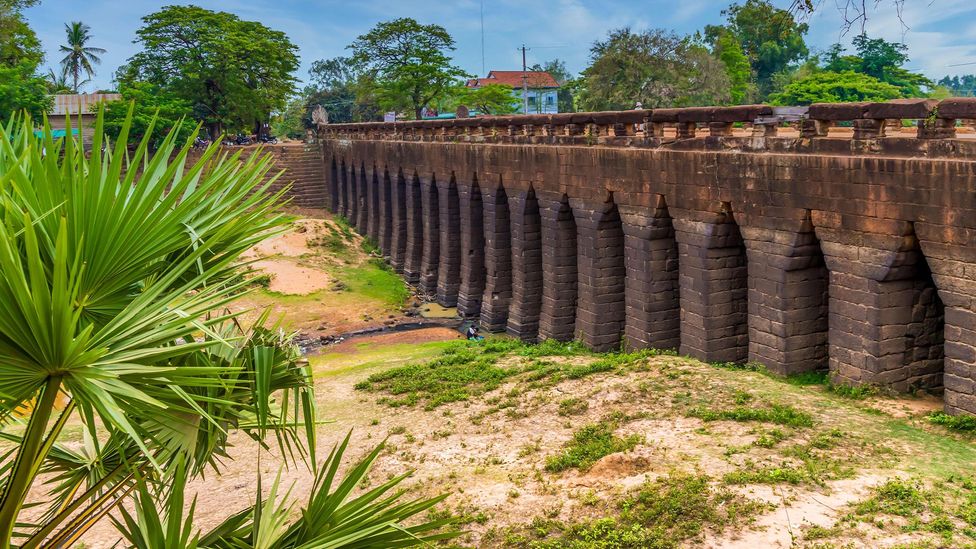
(495, 466)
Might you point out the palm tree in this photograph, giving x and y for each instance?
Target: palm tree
(80, 58)
(114, 283)
(58, 82)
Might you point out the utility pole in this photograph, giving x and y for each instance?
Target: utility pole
(483, 37)
(525, 83)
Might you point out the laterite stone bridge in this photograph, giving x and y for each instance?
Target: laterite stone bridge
(844, 241)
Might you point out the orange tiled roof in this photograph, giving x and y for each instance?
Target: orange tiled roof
(534, 79)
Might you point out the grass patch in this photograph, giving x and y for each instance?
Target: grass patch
(955, 423)
(588, 445)
(376, 280)
(468, 369)
(572, 407)
(665, 513)
(778, 414)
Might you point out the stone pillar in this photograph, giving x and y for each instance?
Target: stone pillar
(449, 266)
(352, 196)
(523, 313)
(651, 287)
(601, 311)
(885, 317)
(335, 185)
(498, 259)
(386, 215)
(557, 318)
(362, 203)
(472, 251)
(430, 259)
(343, 202)
(373, 208)
(414, 249)
(398, 233)
(955, 276)
(787, 298)
(713, 283)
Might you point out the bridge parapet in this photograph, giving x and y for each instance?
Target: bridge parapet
(870, 128)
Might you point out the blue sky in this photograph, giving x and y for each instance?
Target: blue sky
(942, 33)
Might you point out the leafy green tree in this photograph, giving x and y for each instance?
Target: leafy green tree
(491, 99)
(729, 50)
(343, 89)
(770, 37)
(21, 90)
(235, 73)
(408, 63)
(557, 69)
(960, 86)
(155, 111)
(18, 43)
(881, 59)
(835, 87)
(655, 67)
(79, 56)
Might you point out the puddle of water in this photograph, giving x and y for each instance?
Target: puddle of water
(433, 310)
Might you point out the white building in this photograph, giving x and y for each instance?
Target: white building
(543, 90)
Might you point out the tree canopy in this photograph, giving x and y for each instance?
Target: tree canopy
(835, 87)
(233, 72)
(880, 59)
(79, 56)
(655, 67)
(20, 55)
(408, 63)
(770, 37)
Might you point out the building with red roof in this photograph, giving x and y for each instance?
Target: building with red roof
(541, 88)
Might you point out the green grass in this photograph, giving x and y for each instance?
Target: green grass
(588, 445)
(376, 280)
(572, 407)
(469, 369)
(956, 423)
(669, 512)
(779, 414)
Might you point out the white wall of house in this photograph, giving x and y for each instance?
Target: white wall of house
(541, 101)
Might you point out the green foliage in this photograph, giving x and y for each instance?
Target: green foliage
(18, 43)
(960, 86)
(770, 37)
(408, 63)
(655, 67)
(956, 423)
(572, 406)
(21, 90)
(881, 60)
(116, 305)
(729, 50)
(154, 109)
(835, 87)
(233, 72)
(779, 414)
(665, 513)
(80, 58)
(330, 517)
(557, 69)
(343, 89)
(588, 445)
(490, 99)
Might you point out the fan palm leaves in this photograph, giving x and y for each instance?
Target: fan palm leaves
(80, 57)
(112, 265)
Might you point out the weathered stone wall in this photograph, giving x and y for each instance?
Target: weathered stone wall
(855, 253)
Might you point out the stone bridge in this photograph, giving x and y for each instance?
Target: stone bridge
(843, 240)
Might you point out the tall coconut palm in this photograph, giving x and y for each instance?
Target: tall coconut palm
(80, 57)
